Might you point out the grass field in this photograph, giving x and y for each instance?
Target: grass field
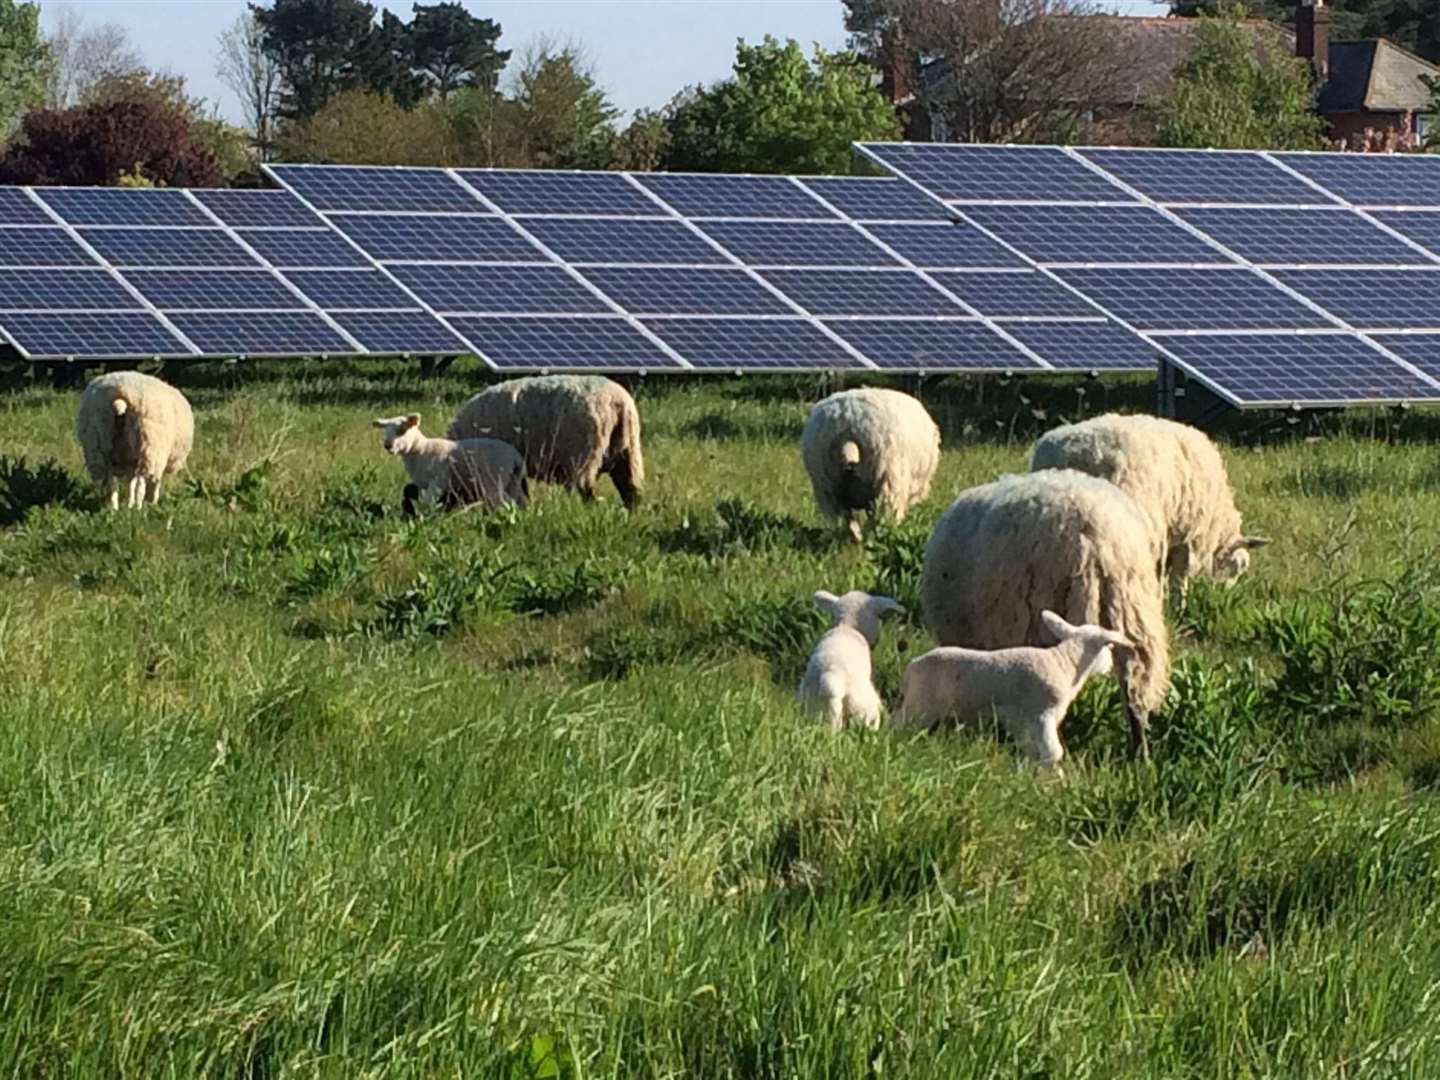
(292, 787)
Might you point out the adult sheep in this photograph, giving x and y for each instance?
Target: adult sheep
(1175, 473)
(869, 449)
(570, 429)
(1007, 551)
(134, 428)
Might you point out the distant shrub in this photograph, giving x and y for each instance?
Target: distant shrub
(556, 591)
(435, 603)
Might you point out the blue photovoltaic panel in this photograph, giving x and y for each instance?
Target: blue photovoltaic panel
(1207, 176)
(168, 247)
(250, 333)
(600, 240)
(41, 247)
(514, 290)
(1422, 226)
(17, 208)
(797, 243)
(350, 289)
(244, 208)
(399, 332)
(945, 246)
(1373, 179)
(121, 206)
(699, 195)
(337, 187)
(294, 249)
(1038, 173)
(1103, 346)
(92, 335)
(863, 292)
(871, 199)
(435, 239)
(596, 342)
(1284, 369)
(752, 343)
(646, 290)
(1193, 299)
(1021, 294)
(1094, 234)
(63, 290)
(1422, 350)
(213, 289)
(1273, 237)
(1373, 299)
(540, 192)
(933, 345)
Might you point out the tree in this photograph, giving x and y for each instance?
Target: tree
(81, 56)
(385, 62)
(24, 62)
(252, 74)
(96, 143)
(644, 145)
(318, 46)
(454, 49)
(780, 113)
(361, 127)
(1235, 92)
(561, 118)
(1411, 23)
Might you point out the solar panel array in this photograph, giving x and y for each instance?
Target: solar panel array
(1275, 279)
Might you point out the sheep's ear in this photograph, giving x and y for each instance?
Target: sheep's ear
(887, 605)
(1056, 625)
(825, 601)
(379, 423)
(1250, 543)
(412, 420)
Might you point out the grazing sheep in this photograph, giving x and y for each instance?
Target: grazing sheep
(1029, 689)
(133, 427)
(484, 471)
(1006, 551)
(869, 449)
(570, 429)
(1172, 470)
(837, 682)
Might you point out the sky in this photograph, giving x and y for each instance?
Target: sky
(643, 51)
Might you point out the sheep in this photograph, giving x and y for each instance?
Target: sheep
(487, 472)
(133, 427)
(869, 449)
(1029, 689)
(570, 429)
(1060, 540)
(1175, 473)
(837, 682)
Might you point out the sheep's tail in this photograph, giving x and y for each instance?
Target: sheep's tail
(850, 453)
(627, 461)
(120, 406)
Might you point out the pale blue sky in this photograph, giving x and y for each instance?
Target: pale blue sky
(643, 51)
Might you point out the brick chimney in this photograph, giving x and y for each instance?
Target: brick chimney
(1312, 35)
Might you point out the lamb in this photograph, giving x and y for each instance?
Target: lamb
(1028, 689)
(487, 472)
(1061, 540)
(134, 428)
(1175, 473)
(837, 682)
(869, 449)
(571, 429)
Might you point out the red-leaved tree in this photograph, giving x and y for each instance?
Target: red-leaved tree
(93, 144)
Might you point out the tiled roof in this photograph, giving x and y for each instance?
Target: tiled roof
(1375, 76)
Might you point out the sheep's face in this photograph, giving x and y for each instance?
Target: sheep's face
(1233, 560)
(861, 610)
(1105, 648)
(402, 433)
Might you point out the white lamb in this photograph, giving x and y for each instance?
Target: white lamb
(484, 471)
(837, 682)
(136, 428)
(1175, 472)
(1029, 689)
(869, 449)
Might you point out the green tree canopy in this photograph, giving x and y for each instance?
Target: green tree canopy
(24, 62)
(780, 113)
(361, 127)
(1230, 93)
(452, 48)
(321, 48)
(561, 116)
(1415, 24)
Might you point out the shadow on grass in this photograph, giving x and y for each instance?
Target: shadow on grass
(25, 487)
(740, 528)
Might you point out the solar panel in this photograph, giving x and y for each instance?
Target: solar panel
(350, 289)
(41, 247)
(863, 292)
(871, 199)
(1098, 346)
(213, 289)
(1373, 299)
(243, 208)
(399, 332)
(933, 345)
(568, 344)
(1279, 370)
(1094, 234)
(983, 173)
(943, 246)
(200, 248)
(294, 249)
(1025, 293)
(62, 290)
(1372, 179)
(532, 191)
(645, 290)
(254, 333)
(425, 238)
(17, 208)
(1217, 176)
(89, 334)
(1421, 226)
(330, 187)
(758, 343)
(713, 195)
(623, 241)
(514, 290)
(797, 243)
(1421, 350)
(1193, 299)
(122, 206)
(1297, 237)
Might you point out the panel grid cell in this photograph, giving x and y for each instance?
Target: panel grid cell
(248, 333)
(63, 290)
(1421, 226)
(17, 208)
(874, 199)
(569, 344)
(797, 243)
(1421, 350)
(244, 208)
(933, 345)
(427, 238)
(167, 247)
(287, 250)
(1373, 299)
(1095, 234)
(219, 290)
(983, 173)
(1192, 176)
(1276, 237)
(945, 246)
(400, 332)
(1372, 179)
(512, 290)
(350, 289)
(1193, 299)
(697, 195)
(41, 247)
(120, 206)
(92, 335)
(532, 191)
(376, 188)
(645, 290)
(753, 343)
(1027, 293)
(637, 241)
(863, 292)
(1103, 346)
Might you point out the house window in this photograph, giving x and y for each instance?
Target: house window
(1424, 126)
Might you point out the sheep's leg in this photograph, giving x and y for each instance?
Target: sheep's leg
(852, 523)
(154, 490)
(135, 492)
(110, 492)
(865, 705)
